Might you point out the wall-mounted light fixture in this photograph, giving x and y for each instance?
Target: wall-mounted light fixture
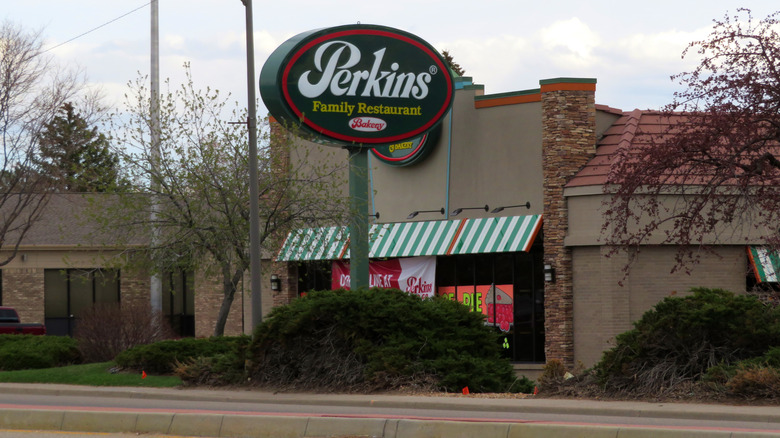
(549, 273)
(500, 209)
(376, 215)
(457, 211)
(276, 283)
(415, 213)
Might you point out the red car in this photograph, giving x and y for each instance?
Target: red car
(10, 325)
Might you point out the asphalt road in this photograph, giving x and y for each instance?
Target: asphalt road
(467, 409)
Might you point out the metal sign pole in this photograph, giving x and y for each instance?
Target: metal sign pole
(358, 207)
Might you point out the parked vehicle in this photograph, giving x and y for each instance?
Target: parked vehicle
(11, 325)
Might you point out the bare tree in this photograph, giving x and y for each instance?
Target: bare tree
(32, 89)
(199, 183)
(715, 169)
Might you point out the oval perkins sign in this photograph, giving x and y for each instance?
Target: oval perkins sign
(358, 85)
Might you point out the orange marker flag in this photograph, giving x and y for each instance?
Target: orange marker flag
(143, 374)
(465, 390)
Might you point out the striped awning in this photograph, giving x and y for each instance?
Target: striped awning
(411, 239)
(766, 263)
(499, 234)
(325, 243)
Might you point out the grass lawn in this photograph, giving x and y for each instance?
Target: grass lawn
(94, 374)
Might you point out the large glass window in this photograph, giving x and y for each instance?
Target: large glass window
(68, 292)
(508, 289)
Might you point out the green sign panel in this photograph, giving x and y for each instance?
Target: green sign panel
(408, 152)
(358, 85)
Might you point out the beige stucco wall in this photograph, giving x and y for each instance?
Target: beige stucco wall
(494, 158)
(586, 207)
(603, 308)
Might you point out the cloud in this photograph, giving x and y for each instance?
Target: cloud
(571, 42)
(175, 42)
(665, 47)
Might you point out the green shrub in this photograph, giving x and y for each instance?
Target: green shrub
(682, 337)
(377, 339)
(19, 352)
(522, 385)
(161, 357)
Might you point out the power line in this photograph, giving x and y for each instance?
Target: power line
(92, 30)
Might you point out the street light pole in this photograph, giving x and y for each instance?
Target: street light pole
(254, 190)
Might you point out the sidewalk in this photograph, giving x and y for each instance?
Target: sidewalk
(253, 425)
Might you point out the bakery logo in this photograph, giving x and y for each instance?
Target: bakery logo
(367, 124)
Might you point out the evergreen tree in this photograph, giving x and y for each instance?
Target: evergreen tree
(77, 156)
(454, 66)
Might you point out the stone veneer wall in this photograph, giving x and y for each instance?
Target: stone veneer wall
(568, 142)
(23, 290)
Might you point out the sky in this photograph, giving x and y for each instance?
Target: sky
(631, 48)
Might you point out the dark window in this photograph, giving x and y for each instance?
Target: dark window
(313, 276)
(8, 315)
(68, 292)
(178, 302)
(508, 289)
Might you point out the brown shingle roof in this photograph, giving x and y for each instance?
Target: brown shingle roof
(632, 129)
(63, 222)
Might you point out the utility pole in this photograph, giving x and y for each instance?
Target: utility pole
(254, 189)
(154, 76)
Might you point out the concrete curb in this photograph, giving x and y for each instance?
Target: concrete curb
(255, 425)
(228, 426)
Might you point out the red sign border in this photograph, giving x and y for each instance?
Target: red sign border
(377, 32)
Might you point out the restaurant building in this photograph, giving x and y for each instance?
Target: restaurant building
(506, 204)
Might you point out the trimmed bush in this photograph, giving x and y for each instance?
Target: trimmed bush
(377, 339)
(162, 357)
(19, 352)
(683, 337)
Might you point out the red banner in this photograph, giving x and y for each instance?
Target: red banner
(415, 275)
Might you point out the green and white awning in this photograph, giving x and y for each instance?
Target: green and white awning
(411, 239)
(500, 234)
(326, 243)
(766, 263)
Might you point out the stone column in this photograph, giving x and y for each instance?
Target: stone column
(568, 142)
